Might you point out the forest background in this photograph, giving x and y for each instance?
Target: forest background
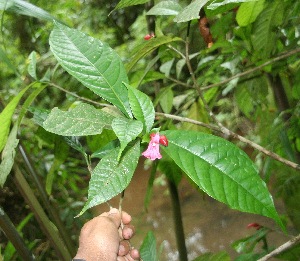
(220, 77)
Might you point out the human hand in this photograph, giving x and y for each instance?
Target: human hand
(103, 239)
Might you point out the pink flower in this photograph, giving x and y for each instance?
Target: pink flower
(152, 152)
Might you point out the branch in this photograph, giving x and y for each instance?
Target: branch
(224, 130)
(234, 135)
(79, 97)
(280, 57)
(282, 248)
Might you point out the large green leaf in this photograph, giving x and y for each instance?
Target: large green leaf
(191, 11)
(93, 63)
(147, 47)
(111, 177)
(221, 170)
(25, 8)
(142, 107)
(264, 34)
(83, 120)
(5, 117)
(248, 12)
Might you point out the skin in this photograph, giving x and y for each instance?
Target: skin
(103, 239)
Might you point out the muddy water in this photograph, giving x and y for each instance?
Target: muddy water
(209, 226)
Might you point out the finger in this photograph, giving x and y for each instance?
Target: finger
(135, 254)
(124, 248)
(126, 218)
(128, 231)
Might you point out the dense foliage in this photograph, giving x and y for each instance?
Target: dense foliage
(213, 86)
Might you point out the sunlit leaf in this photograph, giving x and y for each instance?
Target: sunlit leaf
(248, 12)
(221, 170)
(110, 177)
(93, 63)
(142, 107)
(83, 120)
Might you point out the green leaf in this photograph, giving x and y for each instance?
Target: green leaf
(83, 120)
(148, 248)
(216, 4)
(112, 145)
(74, 143)
(142, 107)
(265, 28)
(148, 47)
(25, 8)
(248, 12)
(5, 117)
(221, 170)
(168, 7)
(111, 177)
(126, 130)
(93, 63)
(126, 3)
(221, 256)
(247, 244)
(8, 155)
(166, 100)
(191, 11)
(32, 65)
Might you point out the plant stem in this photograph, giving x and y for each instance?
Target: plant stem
(12, 235)
(47, 226)
(178, 225)
(287, 245)
(46, 203)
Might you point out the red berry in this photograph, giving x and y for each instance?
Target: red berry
(163, 140)
(147, 37)
(254, 225)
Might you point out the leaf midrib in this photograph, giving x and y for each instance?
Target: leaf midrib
(172, 142)
(92, 65)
